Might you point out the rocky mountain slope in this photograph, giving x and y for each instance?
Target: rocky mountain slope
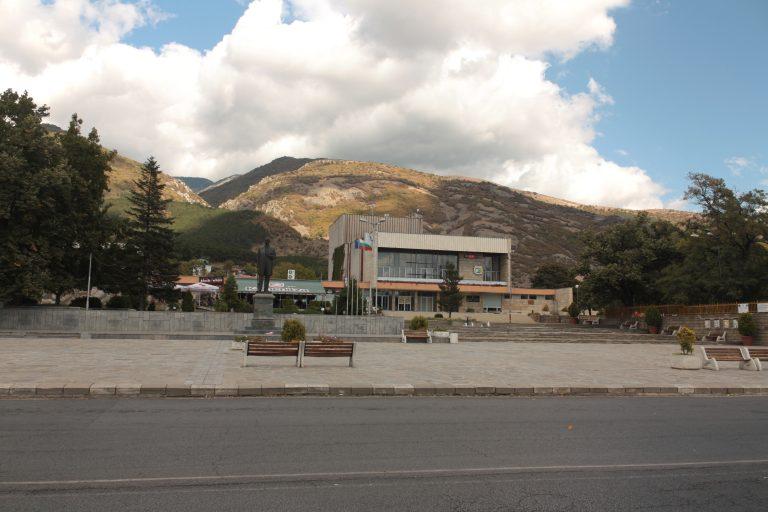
(311, 197)
(235, 185)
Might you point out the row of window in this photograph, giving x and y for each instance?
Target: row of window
(530, 297)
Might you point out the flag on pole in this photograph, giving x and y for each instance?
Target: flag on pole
(366, 244)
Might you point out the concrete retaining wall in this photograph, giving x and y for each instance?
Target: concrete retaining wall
(697, 323)
(128, 321)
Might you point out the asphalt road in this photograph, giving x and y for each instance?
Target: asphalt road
(441, 454)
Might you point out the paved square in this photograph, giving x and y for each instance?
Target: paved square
(121, 366)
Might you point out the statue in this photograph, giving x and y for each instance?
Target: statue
(265, 261)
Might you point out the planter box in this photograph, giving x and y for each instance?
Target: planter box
(686, 362)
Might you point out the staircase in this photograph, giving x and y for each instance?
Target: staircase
(550, 333)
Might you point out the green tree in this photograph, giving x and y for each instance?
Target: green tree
(623, 265)
(281, 270)
(81, 213)
(553, 275)
(451, 296)
(150, 237)
(187, 302)
(34, 181)
(350, 300)
(724, 260)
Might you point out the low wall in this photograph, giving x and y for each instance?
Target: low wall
(698, 324)
(339, 324)
(170, 322)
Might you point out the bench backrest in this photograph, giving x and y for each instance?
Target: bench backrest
(724, 353)
(760, 353)
(276, 349)
(329, 349)
(416, 334)
(715, 332)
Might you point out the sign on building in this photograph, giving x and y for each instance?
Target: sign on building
(743, 308)
(477, 270)
(291, 273)
(762, 307)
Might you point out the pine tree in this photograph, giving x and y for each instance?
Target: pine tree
(451, 296)
(150, 237)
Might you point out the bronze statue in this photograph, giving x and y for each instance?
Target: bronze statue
(265, 261)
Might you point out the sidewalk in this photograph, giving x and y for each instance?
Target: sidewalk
(72, 367)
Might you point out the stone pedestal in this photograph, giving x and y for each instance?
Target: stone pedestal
(263, 316)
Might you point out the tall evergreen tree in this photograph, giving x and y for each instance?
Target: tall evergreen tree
(33, 180)
(451, 296)
(154, 268)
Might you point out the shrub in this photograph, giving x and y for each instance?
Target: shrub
(653, 318)
(418, 323)
(439, 315)
(686, 338)
(747, 325)
(287, 303)
(470, 310)
(293, 330)
(152, 306)
(220, 306)
(119, 302)
(573, 310)
(242, 306)
(545, 308)
(79, 302)
(187, 302)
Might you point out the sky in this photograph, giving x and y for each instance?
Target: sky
(608, 102)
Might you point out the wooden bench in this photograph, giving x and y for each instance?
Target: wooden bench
(629, 325)
(329, 349)
(416, 337)
(671, 330)
(714, 336)
(272, 349)
(741, 355)
(759, 353)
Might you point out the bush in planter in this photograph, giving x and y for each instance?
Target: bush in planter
(573, 310)
(439, 315)
(747, 325)
(187, 302)
(653, 318)
(545, 308)
(293, 330)
(418, 323)
(686, 338)
(94, 303)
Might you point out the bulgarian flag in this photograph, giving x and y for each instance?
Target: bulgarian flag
(366, 244)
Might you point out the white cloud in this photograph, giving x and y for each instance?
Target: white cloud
(737, 164)
(440, 85)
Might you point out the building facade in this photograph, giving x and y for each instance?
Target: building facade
(403, 270)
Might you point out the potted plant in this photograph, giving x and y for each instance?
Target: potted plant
(653, 320)
(747, 328)
(573, 312)
(293, 331)
(686, 337)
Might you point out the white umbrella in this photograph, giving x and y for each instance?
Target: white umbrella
(181, 287)
(202, 287)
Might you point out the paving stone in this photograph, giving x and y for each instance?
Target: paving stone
(152, 389)
(49, 390)
(384, 390)
(318, 389)
(99, 389)
(226, 390)
(273, 389)
(464, 390)
(524, 391)
(424, 389)
(669, 390)
(339, 391)
(5, 389)
(76, 389)
(442, 390)
(202, 390)
(718, 391)
(361, 389)
(296, 389)
(685, 390)
(543, 391)
(22, 389)
(249, 390)
(178, 390)
(404, 389)
(127, 389)
(702, 391)
(747, 391)
(616, 390)
(580, 391)
(735, 391)
(633, 391)
(485, 390)
(505, 391)
(561, 391)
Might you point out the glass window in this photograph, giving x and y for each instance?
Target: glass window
(473, 298)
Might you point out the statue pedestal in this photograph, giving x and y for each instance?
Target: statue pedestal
(263, 317)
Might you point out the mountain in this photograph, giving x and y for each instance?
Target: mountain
(125, 171)
(233, 186)
(311, 197)
(195, 183)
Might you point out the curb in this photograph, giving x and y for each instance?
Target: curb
(178, 390)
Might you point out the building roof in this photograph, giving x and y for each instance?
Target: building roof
(449, 243)
(432, 287)
(282, 286)
(187, 280)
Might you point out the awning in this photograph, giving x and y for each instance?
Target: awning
(283, 286)
(203, 287)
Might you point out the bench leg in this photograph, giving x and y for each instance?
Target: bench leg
(300, 355)
(352, 356)
(752, 365)
(245, 357)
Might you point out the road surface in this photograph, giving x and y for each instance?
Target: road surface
(425, 454)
